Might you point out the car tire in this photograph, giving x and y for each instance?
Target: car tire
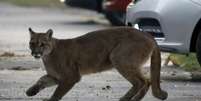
(198, 48)
(115, 18)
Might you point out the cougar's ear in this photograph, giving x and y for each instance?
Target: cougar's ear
(49, 33)
(31, 31)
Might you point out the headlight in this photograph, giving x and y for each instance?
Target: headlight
(130, 5)
(62, 0)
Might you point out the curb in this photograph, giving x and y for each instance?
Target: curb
(183, 76)
(196, 76)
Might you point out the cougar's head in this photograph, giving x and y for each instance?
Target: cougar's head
(40, 43)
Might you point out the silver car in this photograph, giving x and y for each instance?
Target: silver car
(176, 24)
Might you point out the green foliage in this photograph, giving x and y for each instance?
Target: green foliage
(45, 3)
(187, 62)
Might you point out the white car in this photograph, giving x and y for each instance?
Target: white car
(176, 24)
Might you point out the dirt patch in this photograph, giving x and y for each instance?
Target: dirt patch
(21, 68)
(10, 54)
(7, 54)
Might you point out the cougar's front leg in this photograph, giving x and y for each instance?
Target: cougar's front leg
(44, 82)
(63, 87)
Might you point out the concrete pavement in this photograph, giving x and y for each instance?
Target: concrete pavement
(106, 86)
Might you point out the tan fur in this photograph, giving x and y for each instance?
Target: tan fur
(123, 48)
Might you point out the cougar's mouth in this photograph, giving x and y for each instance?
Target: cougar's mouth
(36, 55)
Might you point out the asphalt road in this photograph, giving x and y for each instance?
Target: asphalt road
(66, 23)
(69, 23)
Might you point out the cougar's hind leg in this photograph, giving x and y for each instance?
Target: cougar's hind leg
(127, 60)
(44, 82)
(140, 85)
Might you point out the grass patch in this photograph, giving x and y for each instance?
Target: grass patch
(43, 3)
(187, 62)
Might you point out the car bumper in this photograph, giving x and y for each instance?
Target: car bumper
(172, 21)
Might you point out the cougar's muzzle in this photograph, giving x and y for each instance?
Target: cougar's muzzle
(36, 54)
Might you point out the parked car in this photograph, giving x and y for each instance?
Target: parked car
(176, 24)
(114, 10)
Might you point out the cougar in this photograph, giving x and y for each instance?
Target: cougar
(123, 48)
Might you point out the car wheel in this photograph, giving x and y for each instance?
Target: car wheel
(198, 48)
(115, 18)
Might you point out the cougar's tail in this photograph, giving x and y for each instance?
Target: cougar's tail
(155, 75)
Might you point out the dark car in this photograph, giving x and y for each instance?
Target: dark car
(114, 10)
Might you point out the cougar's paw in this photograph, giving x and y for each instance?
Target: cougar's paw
(32, 91)
(161, 95)
(164, 95)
